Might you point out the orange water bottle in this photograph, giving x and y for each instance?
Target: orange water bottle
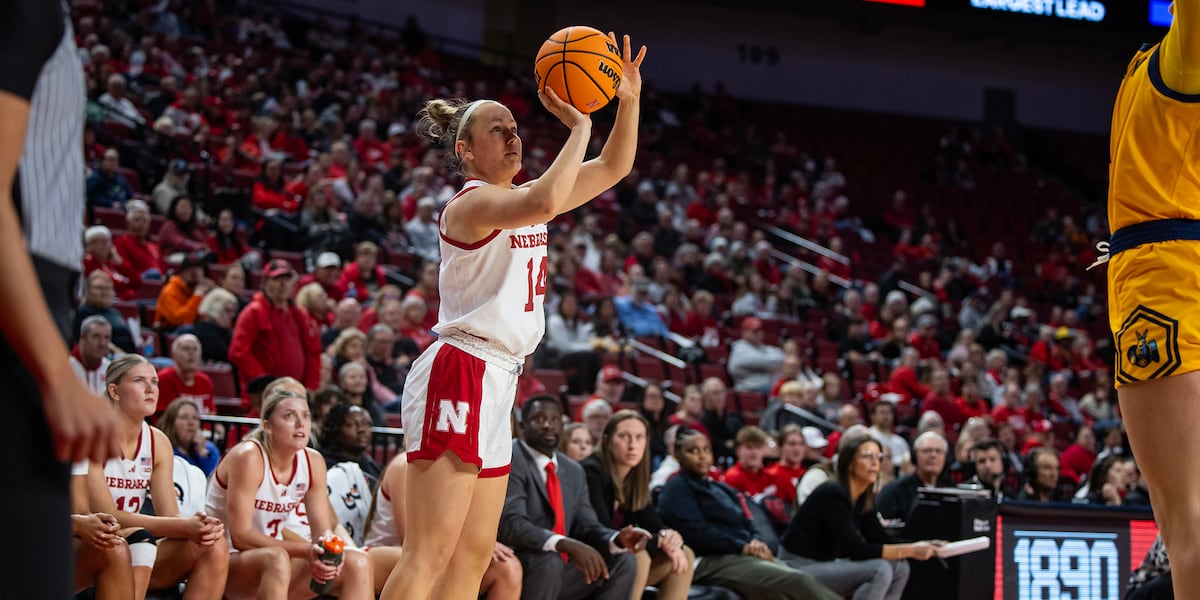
(331, 554)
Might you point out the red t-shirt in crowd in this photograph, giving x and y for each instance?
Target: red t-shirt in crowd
(786, 480)
(979, 409)
(171, 387)
(743, 480)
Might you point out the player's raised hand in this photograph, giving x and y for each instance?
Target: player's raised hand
(631, 75)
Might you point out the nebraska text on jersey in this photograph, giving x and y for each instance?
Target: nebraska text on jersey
(527, 240)
(119, 483)
(275, 507)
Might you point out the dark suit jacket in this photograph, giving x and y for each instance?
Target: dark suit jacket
(527, 521)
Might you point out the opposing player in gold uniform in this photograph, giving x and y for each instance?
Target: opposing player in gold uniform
(1154, 279)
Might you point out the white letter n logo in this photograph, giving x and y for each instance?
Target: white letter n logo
(453, 415)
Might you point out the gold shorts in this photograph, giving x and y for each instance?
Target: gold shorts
(1154, 310)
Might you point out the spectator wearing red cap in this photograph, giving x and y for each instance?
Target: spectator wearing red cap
(326, 271)
(273, 336)
(610, 384)
(753, 365)
(142, 255)
(184, 379)
(1041, 434)
(179, 300)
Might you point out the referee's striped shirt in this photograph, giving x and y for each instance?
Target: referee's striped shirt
(50, 177)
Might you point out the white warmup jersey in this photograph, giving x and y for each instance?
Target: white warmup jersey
(273, 501)
(350, 495)
(190, 487)
(128, 479)
(381, 531)
(494, 288)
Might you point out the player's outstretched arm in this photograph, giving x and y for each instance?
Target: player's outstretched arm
(1179, 54)
(616, 159)
(82, 423)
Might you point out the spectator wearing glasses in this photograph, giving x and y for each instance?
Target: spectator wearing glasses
(838, 521)
(899, 498)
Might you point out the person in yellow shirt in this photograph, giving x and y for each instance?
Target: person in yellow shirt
(1154, 278)
(179, 300)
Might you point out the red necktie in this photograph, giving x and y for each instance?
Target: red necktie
(554, 491)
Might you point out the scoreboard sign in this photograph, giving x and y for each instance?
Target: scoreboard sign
(1078, 10)
(1044, 559)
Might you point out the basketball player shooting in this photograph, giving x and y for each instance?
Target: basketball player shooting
(459, 393)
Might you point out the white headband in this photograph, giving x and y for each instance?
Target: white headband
(466, 116)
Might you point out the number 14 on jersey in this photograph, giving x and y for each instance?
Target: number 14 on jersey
(537, 285)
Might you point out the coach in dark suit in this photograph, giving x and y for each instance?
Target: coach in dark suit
(549, 521)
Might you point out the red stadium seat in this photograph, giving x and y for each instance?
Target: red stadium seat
(112, 218)
(554, 379)
(224, 383)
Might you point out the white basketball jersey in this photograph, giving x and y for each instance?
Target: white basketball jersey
(129, 478)
(381, 531)
(494, 288)
(273, 501)
(190, 487)
(349, 493)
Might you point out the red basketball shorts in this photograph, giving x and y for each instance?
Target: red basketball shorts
(455, 401)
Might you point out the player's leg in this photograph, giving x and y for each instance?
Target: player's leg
(204, 567)
(383, 559)
(143, 552)
(356, 580)
(261, 573)
(502, 580)
(439, 495)
(473, 552)
(1160, 416)
(107, 569)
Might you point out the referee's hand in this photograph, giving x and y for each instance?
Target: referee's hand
(83, 424)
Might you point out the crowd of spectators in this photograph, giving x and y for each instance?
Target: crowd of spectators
(260, 204)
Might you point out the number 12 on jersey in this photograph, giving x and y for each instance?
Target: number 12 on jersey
(537, 285)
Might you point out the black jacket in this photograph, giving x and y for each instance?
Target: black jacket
(603, 496)
(708, 514)
(828, 527)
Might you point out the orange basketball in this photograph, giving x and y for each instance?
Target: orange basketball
(581, 65)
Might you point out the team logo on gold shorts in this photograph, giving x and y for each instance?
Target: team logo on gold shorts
(1147, 346)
